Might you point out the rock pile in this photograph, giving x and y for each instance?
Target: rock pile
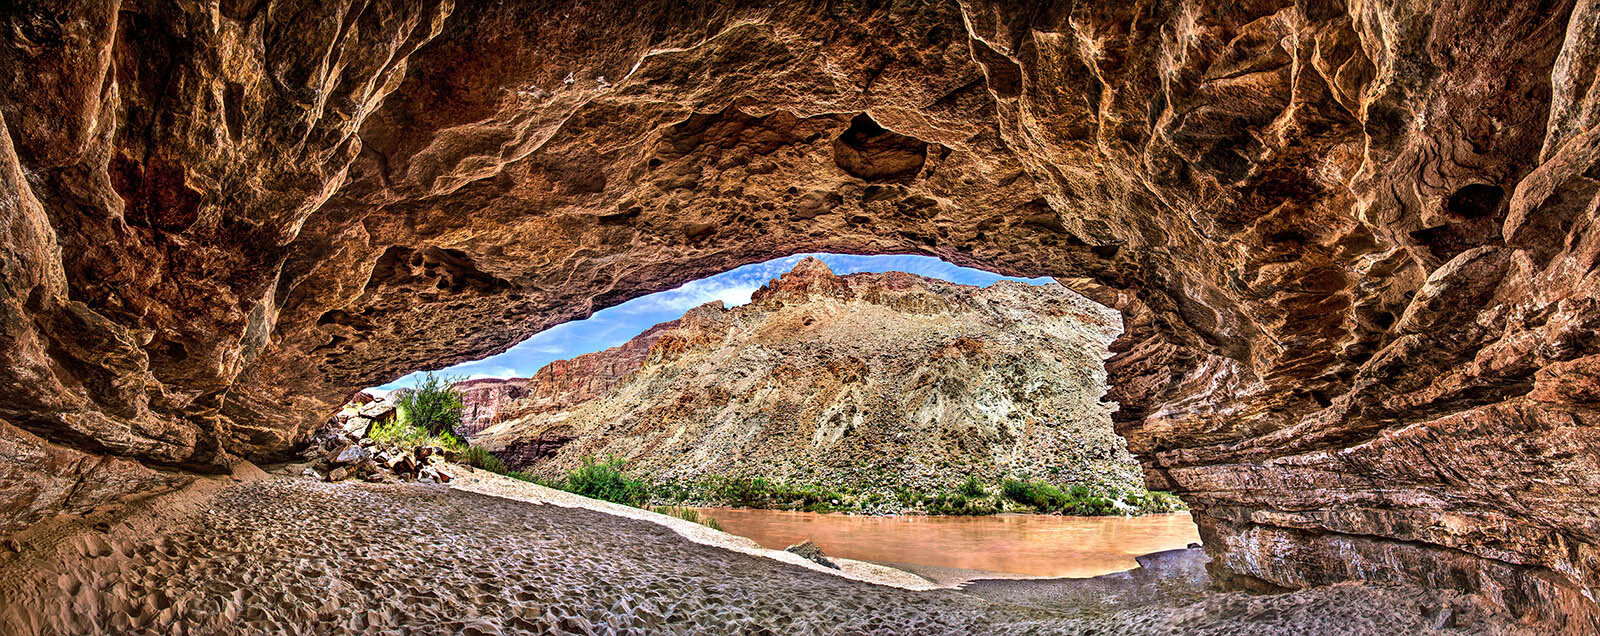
(343, 451)
(359, 422)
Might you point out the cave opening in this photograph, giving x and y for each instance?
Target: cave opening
(800, 398)
(1351, 245)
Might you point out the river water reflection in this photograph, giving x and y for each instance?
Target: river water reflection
(1029, 545)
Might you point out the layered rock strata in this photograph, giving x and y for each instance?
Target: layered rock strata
(859, 381)
(555, 387)
(1352, 243)
(484, 399)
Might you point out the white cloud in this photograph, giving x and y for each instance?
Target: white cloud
(489, 372)
(731, 291)
(548, 348)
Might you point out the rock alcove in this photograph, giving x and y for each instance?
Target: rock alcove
(1351, 244)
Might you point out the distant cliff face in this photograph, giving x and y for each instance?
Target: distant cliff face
(484, 399)
(864, 379)
(556, 386)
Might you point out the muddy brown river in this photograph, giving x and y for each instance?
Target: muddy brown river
(1027, 545)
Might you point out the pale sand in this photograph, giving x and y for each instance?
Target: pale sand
(487, 483)
(275, 554)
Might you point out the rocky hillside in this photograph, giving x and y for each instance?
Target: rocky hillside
(844, 381)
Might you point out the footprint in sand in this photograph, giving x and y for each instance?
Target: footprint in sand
(94, 545)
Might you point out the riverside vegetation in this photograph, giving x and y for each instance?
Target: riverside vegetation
(607, 480)
(427, 414)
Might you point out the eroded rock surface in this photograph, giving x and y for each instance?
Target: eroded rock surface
(1352, 243)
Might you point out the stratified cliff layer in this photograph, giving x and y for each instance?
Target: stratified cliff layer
(866, 380)
(484, 399)
(556, 386)
(1352, 243)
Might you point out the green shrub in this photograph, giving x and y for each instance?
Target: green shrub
(607, 482)
(688, 514)
(433, 404)
(1076, 500)
(972, 487)
(401, 433)
(1038, 494)
(478, 457)
(1156, 502)
(958, 502)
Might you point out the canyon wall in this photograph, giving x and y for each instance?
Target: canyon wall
(864, 381)
(1352, 243)
(558, 385)
(483, 400)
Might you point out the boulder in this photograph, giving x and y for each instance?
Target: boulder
(812, 553)
(357, 427)
(401, 465)
(377, 411)
(351, 455)
(339, 474)
(433, 475)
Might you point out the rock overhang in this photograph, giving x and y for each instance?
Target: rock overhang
(1349, 248)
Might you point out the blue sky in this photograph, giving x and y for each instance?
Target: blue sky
(615, 325)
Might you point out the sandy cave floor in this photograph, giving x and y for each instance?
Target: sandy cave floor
(277, 554)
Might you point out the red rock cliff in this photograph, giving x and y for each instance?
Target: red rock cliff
(484, 399)
(557, 385)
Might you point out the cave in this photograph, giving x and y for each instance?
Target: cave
(1351, 246)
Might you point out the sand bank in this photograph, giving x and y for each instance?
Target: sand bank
(258, 554)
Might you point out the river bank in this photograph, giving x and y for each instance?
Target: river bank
(259, 553)
(966, 548)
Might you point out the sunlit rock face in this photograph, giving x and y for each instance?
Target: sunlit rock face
(1351, 242)
(863, 381)
(555, 386)
(484, 399)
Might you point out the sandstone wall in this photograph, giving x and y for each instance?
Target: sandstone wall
(1352, 242)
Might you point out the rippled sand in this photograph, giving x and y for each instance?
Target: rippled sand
(290, 555)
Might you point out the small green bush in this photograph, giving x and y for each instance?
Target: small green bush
(1075, 500)
(1156, 502)
(478, 457)
(972, 487)
(607, 482)
(401, 433)
(1038, 494)
(433, 404)
(688, 514)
